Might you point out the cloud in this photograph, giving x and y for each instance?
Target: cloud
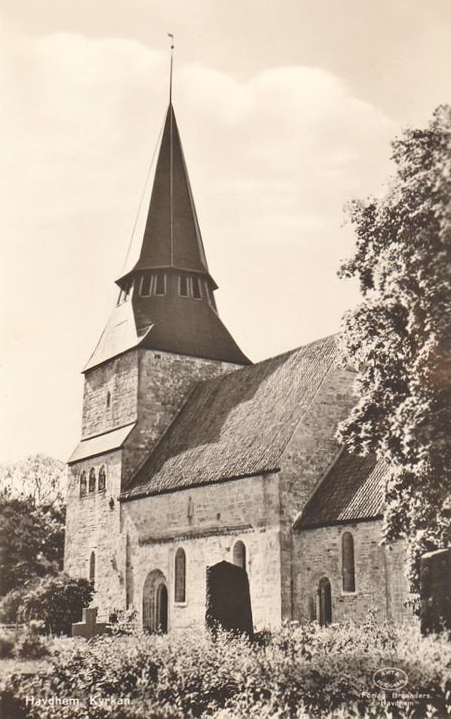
(271, 160)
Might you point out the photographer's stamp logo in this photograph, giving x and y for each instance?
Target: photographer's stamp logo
(390, 678)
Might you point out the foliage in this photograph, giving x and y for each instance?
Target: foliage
(57, 602)
(399, 337)
(6, 644)
(38, 476)
(123, 621)
(31, 540)
(307, 671)
(29, 644)
(10, 603)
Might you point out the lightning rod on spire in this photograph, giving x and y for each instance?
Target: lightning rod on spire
(170, 34)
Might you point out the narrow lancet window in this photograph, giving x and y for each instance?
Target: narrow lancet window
(92, 568)
(102, 479)
(239, 554)
(83, 484)
(180, 576)
(348, 566)
(92, 480)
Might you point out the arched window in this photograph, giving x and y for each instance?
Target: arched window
(239, 554)
(92, 568)
(83, 484)
(108, 399)
(92, 480)
(102, 479)
(347, 561)
(180, 576)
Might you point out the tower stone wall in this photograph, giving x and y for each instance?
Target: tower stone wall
(141, 386)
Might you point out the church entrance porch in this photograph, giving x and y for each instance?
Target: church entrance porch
(155, 603)
(228, 598)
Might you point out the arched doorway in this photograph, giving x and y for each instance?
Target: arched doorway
(325, 602)
(155, 603)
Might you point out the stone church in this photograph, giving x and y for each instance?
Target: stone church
(192, 455)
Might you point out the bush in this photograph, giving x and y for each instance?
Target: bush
(10, 604)
(57, 602)
(304, 672)
(6, 645)
(29, 645)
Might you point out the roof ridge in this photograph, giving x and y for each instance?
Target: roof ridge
(256, 365)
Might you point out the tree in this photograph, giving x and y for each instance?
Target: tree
(38, 476)
(31, 540)
(399, 337)
(57, 602)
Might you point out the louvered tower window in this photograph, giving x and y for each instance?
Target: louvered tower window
(183, 286)
(146, 284)
(197, 292)
(239, 554)
(160, 285)
(348, 567)
(180, 576)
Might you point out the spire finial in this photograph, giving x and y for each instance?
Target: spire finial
(170, 34)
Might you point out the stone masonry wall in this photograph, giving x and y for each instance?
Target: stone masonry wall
(146, 387)
(307, 457)
(246, 509)
(380, 583)
(119, 377)
(93, 525)
(165, 381)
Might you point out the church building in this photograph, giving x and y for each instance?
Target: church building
(191, 455)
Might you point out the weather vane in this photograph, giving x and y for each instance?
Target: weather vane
(170, 34)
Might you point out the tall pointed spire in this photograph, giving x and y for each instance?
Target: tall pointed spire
(169, 289)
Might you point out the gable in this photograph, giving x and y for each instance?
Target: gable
(352, 490)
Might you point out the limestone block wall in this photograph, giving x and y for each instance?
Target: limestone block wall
(164, 383)
(307, 457)
(93, 525)
(119, 378)
(206, 522)
(380, 583)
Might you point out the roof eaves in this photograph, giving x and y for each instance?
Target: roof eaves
(336, 522)
(128, 497)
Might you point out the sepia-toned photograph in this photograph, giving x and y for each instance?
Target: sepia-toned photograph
(225, 454)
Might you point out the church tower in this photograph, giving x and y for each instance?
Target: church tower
(164, 335)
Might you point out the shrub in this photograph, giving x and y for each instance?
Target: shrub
(29, 644)
(6, 645)
(300, 672)
(10, 604)
(57, 602)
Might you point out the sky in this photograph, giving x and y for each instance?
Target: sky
(286, 110)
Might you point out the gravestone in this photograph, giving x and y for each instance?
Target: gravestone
(88, 627)
(228, 599)
(435, 591)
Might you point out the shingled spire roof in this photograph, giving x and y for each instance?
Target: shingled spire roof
(168, 292)
(172, 236)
